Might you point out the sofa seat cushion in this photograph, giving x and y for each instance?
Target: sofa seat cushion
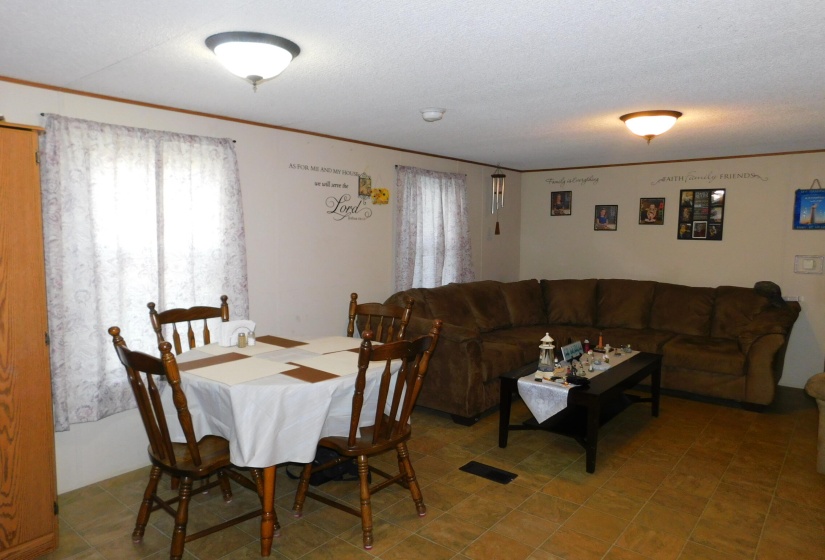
(524, 302)
(527, 339)
(570, 302)
(644, 340)
(487, 304)
(498, 358)
(624, 303)
(700, 353)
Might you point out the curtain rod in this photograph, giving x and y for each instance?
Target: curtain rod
(233, 140)
(397, 166)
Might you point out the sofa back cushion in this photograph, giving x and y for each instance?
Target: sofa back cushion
(449, 304)
(420, 308)
(624, 303)
(524, 302)
(734, 309)
(487, 305)
(570, 302)
(682, 309)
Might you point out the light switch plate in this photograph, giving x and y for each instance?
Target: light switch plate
(808, 264)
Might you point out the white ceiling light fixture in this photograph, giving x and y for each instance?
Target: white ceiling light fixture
(649, 124)
(432, 114)
(255, 57)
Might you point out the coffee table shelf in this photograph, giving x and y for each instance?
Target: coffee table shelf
(590, 407)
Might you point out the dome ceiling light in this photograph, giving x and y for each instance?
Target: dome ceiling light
(255, 57)
(649, 124)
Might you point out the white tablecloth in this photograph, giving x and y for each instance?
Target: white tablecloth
(268, 415)
(547, 398)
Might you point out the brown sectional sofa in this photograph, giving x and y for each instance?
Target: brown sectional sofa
(726, 342)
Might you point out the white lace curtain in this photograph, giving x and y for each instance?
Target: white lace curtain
(131, 216)
(432, 240)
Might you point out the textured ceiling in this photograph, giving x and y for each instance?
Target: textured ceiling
(528, 84)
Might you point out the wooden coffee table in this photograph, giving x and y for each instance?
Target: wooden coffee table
(587, 408)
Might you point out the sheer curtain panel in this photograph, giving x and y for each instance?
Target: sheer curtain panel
(130, 216)
(432, 240)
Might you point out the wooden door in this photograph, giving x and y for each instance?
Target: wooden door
(28, 524)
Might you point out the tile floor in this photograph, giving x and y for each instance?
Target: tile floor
(702, 481)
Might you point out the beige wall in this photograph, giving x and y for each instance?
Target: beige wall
(302, 263)
(758, 243)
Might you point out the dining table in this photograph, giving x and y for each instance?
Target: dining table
(273, 401)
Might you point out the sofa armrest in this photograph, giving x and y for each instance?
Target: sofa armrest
(774, 320)
(454, 377)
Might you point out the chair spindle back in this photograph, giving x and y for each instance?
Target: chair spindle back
(188, 316)
(415, 357)
(139, 366)
(387, 322)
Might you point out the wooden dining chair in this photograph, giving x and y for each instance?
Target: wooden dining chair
(188, 316)
(387, 431)
(195, 460)
(387, 322)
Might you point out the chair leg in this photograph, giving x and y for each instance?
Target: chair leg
(301, 493)
(259, 481)
(401, 470)
(225, 487)
(146, 505)
(181, 518)
(366, 505)
(409, 475)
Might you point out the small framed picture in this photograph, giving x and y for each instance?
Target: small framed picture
(364, 186)
(652, 211)
(561, 203)
(607, 217)
(809, 209)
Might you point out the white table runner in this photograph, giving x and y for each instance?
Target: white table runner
(337, 363)
(259, 348)
(332, 344)
(240, 371)
(547, 398)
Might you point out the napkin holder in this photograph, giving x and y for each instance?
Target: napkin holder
(231, 329)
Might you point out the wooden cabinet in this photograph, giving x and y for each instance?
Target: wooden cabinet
(28, 489)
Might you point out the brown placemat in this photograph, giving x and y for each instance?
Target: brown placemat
(278, 341)
(308, 374)
(211, 361)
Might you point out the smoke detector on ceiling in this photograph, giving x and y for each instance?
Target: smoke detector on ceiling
(431, 114)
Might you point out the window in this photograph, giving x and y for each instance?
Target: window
(432, 238)
(130, 216)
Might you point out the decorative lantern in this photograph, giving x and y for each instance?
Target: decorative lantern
(546, 357)
(498, 195)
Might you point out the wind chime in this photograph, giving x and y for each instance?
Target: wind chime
(498, 195)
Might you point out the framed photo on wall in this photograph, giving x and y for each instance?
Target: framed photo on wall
(606, 218)
(652, 211)
(809, 209)
(561, 203)
(701, 214)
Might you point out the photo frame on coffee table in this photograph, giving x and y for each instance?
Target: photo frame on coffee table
(606, 217)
